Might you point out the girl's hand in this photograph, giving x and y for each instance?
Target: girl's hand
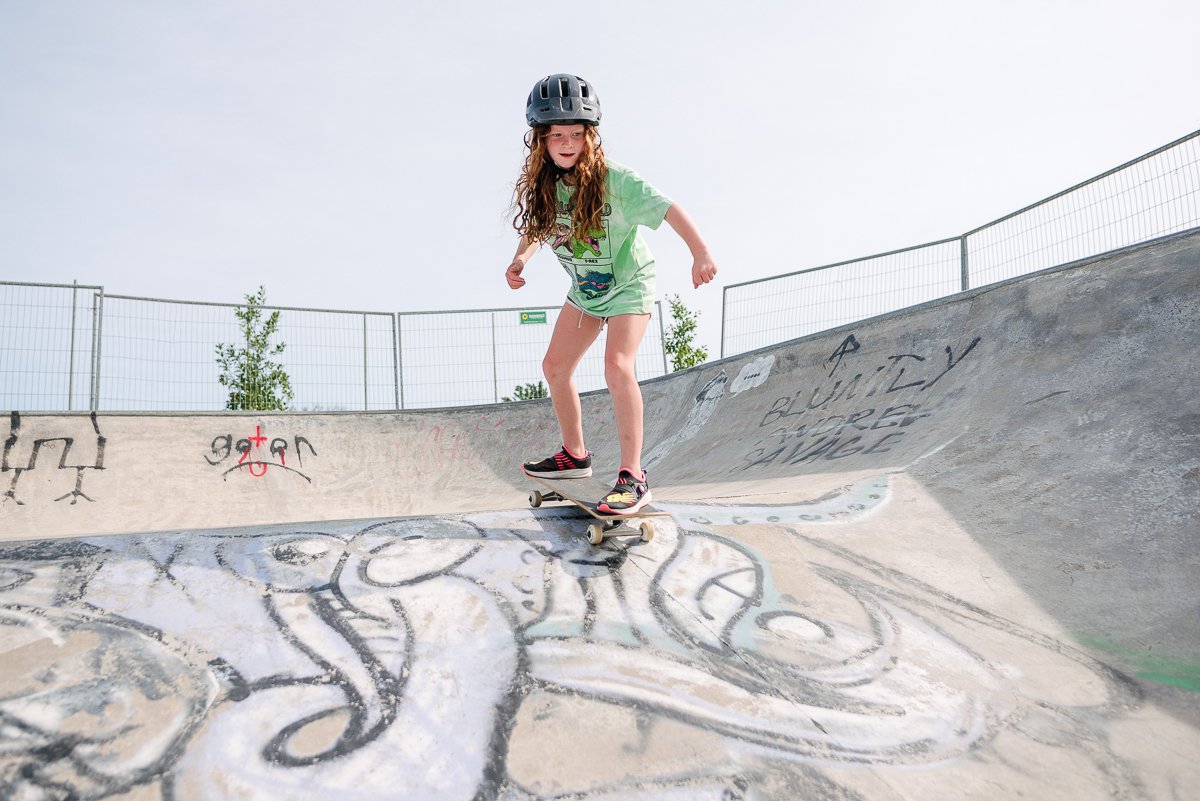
(513, 274)
(704, 269)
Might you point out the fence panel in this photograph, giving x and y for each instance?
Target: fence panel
(761, 313)
(161, 355)
(47, 339)
(1153, 196)
(446, 359)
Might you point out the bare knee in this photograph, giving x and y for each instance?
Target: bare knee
(619, 370)
(556, 371)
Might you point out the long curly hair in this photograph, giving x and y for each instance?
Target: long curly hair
(535, 199)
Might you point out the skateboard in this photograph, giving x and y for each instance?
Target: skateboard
(582, 492)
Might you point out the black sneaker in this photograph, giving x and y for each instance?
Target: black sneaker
(628, 495)
(560, 465)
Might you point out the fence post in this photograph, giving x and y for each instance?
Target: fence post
(366, 372)
(71, 361)
(963, 263)
(495, 368)
(662, 336)
(97, 339)
(396, 360)
(724, 303)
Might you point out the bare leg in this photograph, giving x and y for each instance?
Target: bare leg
(625, 334)
(569, 342)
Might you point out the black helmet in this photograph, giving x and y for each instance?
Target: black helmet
(562, 100)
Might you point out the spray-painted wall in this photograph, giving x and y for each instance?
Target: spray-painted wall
(499, 655)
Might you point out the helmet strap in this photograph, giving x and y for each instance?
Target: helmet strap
(559, 172)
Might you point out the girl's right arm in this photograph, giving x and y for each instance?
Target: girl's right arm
(525, 250)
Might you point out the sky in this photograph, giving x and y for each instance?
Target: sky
(362, 155)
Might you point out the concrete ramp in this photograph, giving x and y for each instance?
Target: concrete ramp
(953, 552)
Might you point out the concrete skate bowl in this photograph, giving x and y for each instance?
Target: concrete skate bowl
(946, 553)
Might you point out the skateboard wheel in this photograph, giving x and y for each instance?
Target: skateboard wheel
(595, 533)
(647, 529)
(535, 499)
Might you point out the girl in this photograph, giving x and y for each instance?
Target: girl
(590, 209)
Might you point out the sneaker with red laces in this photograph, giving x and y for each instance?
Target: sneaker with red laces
(628, 495)
(560, 465)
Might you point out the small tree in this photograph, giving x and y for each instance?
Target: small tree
(680, 335)
(528, 391)
(254, 380)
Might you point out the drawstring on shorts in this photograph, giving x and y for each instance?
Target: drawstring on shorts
(582, 314)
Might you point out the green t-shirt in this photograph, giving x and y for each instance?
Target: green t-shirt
(612, 271)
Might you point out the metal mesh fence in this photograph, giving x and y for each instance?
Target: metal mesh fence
(794, 305)
(477, 357)
(1152, 196)
(48, 340)
(74, 347)
(162, 355)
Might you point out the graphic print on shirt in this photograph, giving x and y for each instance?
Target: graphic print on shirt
(588, 260)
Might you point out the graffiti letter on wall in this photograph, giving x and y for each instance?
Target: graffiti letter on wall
(247, 448)
(67, 440)
(843, 429)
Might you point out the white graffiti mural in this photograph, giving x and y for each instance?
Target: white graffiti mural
(705, 404)
(753, 374)
(499, 656)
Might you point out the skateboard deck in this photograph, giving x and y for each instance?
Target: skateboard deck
(584, 493)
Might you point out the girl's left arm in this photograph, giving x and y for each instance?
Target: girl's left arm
(704, 269)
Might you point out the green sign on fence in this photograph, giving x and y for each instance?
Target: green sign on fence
(533, 318)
